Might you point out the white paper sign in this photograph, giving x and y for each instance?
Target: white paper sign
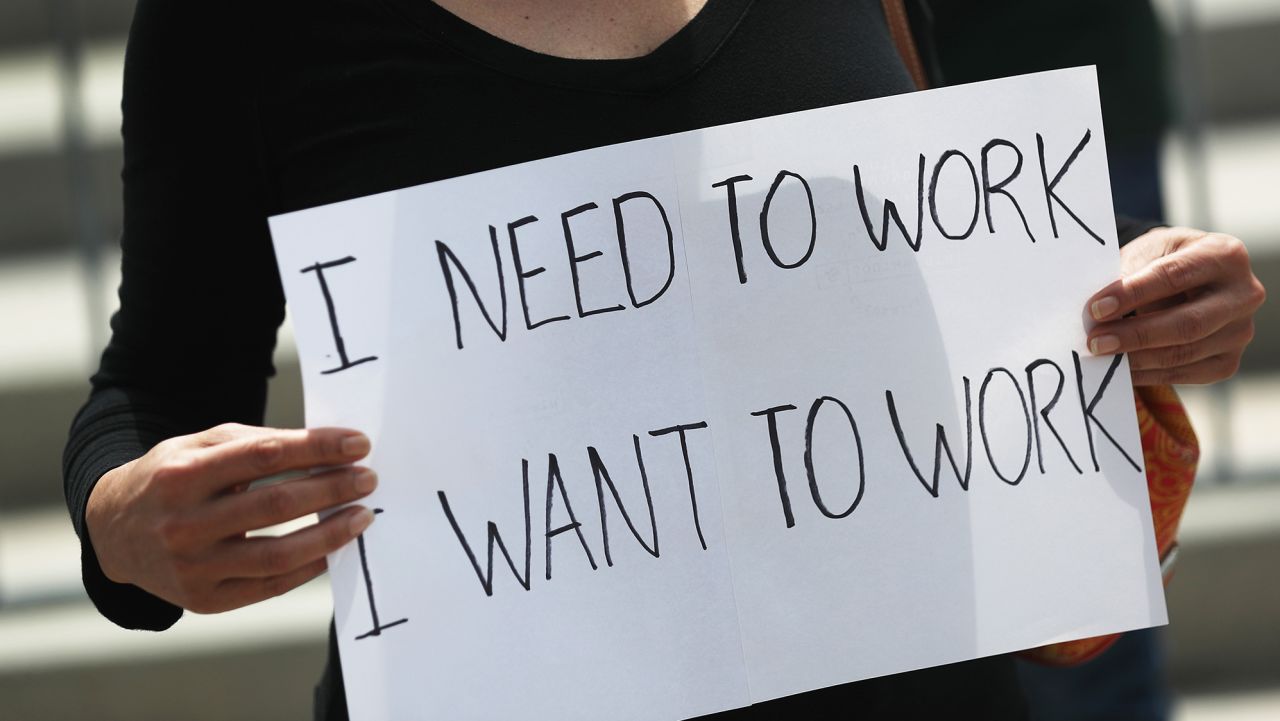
(687, 423)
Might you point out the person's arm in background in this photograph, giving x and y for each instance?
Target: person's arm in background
(159, 500)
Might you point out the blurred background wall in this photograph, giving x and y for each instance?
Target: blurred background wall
(60, 78)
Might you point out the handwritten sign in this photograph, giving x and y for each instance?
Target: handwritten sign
(687, 423)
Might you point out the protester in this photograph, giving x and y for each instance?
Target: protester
(234, 113)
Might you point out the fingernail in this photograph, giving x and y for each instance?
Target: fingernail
(1104, 307)
(1104, 344)
(356, 445)
(360, 521)
(366, 480)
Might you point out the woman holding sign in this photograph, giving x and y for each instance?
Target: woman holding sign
(231, 117)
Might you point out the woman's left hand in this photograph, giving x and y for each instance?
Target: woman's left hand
(1194, 294)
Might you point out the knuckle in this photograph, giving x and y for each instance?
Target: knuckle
(1150, 378)
(273, 560)
(1183, 237)
(221, 433)
(1143, 361)
(326, 445)
(175, 469)
(1173, 272)
(1230, 248)
(1140, 336)
(277, 502)
(1134, 293)
(266, 453)
(1191, 324)
(1146, 378)
(1176, 356)
(1257, 293)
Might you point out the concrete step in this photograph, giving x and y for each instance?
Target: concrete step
(1224, 600)
(36, 209)
(273, 684)
(67, 662)
(1235, 50)
(1241, 705)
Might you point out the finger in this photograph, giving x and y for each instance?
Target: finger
(264, 557)
(1209, 370)
(1163, 277)
(236, 514)
(1232, 338)
(1183, 324)
(227, 464)
(238, 592)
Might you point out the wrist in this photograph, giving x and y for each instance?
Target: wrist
(98, 520)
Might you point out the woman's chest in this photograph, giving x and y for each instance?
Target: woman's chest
(363, 102)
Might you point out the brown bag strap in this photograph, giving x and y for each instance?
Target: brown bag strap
(900, 29)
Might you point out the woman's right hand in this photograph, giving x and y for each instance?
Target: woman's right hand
(174, 522)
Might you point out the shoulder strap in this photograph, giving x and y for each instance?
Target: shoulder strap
(900, 28)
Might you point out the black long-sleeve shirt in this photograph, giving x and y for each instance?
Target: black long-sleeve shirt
(236, 111)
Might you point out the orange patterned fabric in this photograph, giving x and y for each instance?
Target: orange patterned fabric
(1170, 451)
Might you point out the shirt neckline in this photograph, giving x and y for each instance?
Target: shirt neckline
(677, 58)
